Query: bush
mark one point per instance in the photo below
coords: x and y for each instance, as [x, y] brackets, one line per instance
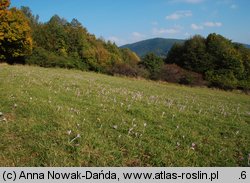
[224, 79]
[43, 58]
[123, 69]
[244, 85]
[175, 74]
[186, 80]
[153, 64]
[143, 73]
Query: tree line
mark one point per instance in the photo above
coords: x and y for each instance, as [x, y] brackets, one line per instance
[213, 61]
[221, 62]
[57, 43]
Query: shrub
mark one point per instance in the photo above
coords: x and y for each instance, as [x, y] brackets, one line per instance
[224, 79]
[43, 58]
[153, 64]
[175, 74]
[123, 69]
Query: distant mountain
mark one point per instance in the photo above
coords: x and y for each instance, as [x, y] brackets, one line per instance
[246, 45]
[159, 46]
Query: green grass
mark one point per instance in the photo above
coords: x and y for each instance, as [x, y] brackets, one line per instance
[121, 121]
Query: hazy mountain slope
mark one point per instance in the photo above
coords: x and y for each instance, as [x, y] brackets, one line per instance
[159, 46]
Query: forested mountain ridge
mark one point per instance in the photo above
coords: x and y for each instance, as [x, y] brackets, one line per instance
[158, 46]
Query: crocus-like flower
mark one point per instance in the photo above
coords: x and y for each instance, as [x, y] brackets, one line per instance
[193, 146]
[130, 130]
[69, 132]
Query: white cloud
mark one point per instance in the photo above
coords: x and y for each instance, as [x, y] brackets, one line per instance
[212, 24]
[138, 35]
[179, 14]
[196, 27]
[188, 1]
[205, 24]
[161, 31]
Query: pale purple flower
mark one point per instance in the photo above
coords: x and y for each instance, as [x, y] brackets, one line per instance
[69, 132]
[130, 130]
[193, 146]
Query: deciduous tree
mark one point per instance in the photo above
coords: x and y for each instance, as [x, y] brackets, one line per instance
[15, 33]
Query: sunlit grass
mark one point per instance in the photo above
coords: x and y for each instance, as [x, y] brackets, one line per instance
[56, 117]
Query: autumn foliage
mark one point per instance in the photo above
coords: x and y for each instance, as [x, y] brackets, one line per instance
[4, 4]
[15, 33]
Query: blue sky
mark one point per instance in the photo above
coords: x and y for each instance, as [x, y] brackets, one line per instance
[127, 21]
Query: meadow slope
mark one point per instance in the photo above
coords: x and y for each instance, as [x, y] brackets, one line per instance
[57, 117]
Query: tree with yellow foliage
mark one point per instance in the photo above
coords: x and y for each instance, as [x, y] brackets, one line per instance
[15, 33]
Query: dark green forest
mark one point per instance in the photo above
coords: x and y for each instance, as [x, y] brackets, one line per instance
[222, 63]
[214, 61]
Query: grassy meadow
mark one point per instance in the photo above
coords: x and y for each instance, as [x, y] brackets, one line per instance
[58, 117]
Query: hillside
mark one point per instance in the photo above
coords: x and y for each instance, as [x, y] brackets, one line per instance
[59, 117]
[159, 46]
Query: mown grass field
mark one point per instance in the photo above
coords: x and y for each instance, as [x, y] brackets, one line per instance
[56, 117]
